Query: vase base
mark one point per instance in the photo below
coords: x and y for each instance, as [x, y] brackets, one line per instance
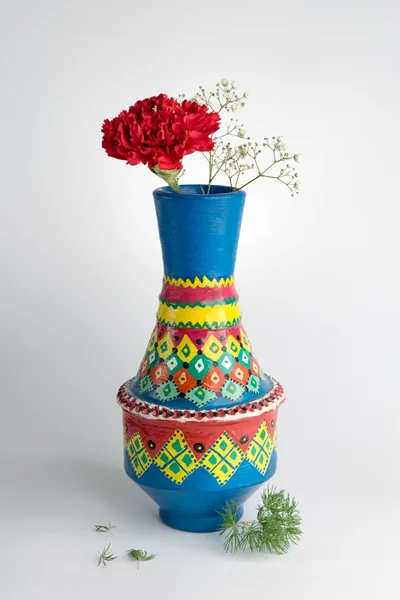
[194, 523]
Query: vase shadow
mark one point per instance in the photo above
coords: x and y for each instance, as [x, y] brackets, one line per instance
[106, 486]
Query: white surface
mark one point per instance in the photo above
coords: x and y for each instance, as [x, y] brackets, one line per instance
[81, 273]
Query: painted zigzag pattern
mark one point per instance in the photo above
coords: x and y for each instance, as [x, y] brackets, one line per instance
[200, 282]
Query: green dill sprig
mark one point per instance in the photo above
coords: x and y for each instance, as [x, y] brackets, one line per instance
[104, 528]
[276, 527]
[105, 556]
[140, 555]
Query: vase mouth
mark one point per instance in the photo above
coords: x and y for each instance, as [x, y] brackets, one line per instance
[196, 190]
[199, 233]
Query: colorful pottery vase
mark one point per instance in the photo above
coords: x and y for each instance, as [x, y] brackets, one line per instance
[200, 415]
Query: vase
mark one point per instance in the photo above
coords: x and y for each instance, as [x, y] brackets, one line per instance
[200, 415]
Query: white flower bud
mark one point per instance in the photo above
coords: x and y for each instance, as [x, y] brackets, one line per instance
[241, 133]
[235, 107]
[224, 82]
[246, 94]
[297, 158]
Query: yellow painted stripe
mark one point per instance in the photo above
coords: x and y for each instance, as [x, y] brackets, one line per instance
[199, 314]
[200, 282]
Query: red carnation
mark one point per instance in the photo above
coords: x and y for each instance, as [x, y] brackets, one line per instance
[159, 132]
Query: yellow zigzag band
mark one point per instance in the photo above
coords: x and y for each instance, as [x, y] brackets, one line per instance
[200, 282]
[199, 314]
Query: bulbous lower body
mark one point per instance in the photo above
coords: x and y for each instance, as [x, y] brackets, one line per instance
[191, 464]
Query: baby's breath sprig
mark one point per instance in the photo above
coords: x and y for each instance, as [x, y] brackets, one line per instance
[280, 156]
[106, 556]
[235, 159]
[276, 527]
[104, 528]
[140, 555]
[224, 97]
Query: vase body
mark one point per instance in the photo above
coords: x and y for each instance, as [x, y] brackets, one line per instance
[200, 414]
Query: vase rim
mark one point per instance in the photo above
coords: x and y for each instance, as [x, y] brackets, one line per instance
[194, 191]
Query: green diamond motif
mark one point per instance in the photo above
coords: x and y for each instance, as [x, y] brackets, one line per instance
[226, 363]
[153, 358]
[245, 358]
[232, 390]
[164, 457]
[167, 391]
[164, 347]
[173, 363]
[186, 351]
[233, 346]
[175, 468]
[187, 460]
[199, 366]
[200, 396]
[145, 384]
[253, 384]
[176, 446]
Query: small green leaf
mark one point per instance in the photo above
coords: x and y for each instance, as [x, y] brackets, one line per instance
[140, 555]
[105, 556]
[104, 528]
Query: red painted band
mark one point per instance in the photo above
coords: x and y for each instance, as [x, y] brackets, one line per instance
[156, 433]
[173, 293]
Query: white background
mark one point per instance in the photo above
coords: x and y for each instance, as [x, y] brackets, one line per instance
[81, 271]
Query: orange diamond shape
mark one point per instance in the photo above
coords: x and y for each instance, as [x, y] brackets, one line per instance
[240, 374]
[254, 368]
[184, 380]
[159, 374]
[214, 380]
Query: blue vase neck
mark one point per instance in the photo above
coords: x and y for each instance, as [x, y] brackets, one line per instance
[199, 233]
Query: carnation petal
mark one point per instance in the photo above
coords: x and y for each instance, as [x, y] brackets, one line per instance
[159, 131]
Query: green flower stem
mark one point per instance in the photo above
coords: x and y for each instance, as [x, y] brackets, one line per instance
[170, 177]
[210, 171]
